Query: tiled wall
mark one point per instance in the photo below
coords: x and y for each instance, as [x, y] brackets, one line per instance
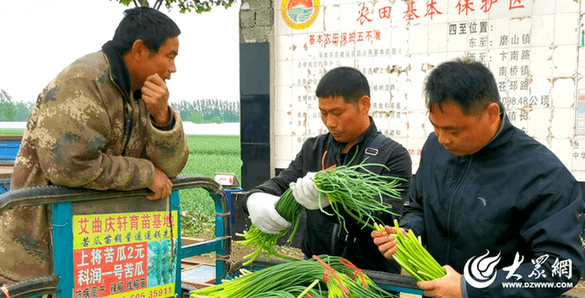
[534, 48]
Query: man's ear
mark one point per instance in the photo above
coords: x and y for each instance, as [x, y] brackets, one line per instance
[139, 50]
[364, 104]
[493, 110]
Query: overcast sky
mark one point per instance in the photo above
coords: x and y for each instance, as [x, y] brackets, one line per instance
[38, 38]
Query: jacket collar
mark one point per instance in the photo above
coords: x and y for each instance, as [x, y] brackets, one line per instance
[504, 134]
[369, 133]
[119, 71]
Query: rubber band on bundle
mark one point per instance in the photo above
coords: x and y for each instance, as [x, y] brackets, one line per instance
[5, 290]
[330, 271]
[357, 271]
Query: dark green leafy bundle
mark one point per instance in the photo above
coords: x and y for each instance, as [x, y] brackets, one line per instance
[359, 193]
[320, 277]
[290, 210]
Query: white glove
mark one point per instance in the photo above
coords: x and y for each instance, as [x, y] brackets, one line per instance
[306, 194]
[263, 213]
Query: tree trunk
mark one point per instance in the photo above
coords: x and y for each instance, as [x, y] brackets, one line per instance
[144, 3]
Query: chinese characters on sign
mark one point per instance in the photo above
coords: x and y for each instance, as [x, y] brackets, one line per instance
[396, 43]
[511, 50]
[125, 253]
[430, 9]
[344, 37]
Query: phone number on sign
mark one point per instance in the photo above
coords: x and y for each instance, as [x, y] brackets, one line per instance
[164, 291]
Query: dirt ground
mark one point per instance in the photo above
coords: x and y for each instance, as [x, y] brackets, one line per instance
[238, 251]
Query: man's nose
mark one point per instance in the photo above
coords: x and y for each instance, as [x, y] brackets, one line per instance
[330, 122]
[442, 136]
[173, 67]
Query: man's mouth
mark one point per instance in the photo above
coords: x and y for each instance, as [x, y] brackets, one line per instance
[455, 151]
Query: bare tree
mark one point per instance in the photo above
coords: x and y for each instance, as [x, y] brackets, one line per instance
[184, 5]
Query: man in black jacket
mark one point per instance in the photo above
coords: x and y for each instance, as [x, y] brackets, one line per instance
[344, 102]
[489, 199]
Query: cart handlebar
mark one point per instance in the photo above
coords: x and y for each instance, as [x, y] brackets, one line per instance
[31, 287]
[43, 195]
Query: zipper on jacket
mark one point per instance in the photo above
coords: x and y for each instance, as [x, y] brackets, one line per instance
[467, 167]
[128, 122]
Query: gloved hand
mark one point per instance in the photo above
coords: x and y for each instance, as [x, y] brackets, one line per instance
[263, 213]
[306, 194]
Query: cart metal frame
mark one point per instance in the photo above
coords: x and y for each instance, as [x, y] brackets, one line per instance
[61, 199]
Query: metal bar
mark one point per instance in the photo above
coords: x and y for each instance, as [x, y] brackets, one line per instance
[175, 206]
[394, 282]
[222, 228]
[44, 195]
[61, 199]
[201, 248]
[35, 287]
[401, 289]
[63, 248]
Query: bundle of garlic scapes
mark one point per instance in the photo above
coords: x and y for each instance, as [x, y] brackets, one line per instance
[320, 277]
[414, 258]
[356, 190]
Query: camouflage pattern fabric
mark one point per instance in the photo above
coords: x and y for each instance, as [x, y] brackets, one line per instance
[75, 137]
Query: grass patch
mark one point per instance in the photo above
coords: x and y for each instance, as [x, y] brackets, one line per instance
[11, 131]
[222, 145]
[207, 155]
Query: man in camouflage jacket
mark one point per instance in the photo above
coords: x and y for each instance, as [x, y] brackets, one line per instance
[103, 123]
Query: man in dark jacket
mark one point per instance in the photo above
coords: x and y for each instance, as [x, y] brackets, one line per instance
[344, 102]
[484, 189]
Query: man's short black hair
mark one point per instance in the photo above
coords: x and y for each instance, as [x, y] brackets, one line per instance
[469, 84]
[148, 24]
[343, 81]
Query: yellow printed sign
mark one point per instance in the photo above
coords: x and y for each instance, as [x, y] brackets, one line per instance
[122, 228]
[125, 254]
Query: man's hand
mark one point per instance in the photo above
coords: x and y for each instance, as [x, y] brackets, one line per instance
[446, 286]
[263, 213]
[306, 194]
[161, 186]
[155, 95]
[385, 242]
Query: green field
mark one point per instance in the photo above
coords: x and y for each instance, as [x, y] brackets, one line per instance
[207, 155]
[11, 131]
